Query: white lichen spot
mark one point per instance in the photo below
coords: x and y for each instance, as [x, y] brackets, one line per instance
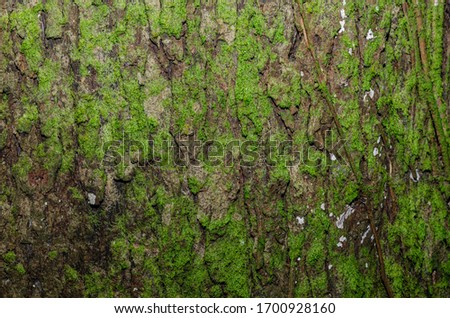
[375, 151]
[45, 203]
[379, 139]
[436, 3]
[369, 35]
[343, 15]
[300, 220]
[365, 234]
[322, 206]
[340, 221]
[344, 2]
[91, 198]
[417, 178]
[298, 259]
[342, 23]
[302, 74]
[350, 51]
[367, 265]
[370, 93]
[342, 239]
[330, 266]
[332, 157]
[330, 215]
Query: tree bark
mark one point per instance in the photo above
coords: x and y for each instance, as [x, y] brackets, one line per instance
[224, 148]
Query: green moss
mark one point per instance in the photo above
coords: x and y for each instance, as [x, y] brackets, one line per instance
[89, 141]
[10, 257]
[165, 238]
[352, 277]
[97, 285]
[70, 273]
[278, 32]
[50, 152]
[351, 192]
[316, 254]
[56, 19]
[20, 269]
[84, 3]
[172, 16]
[3, 139]
[253, 108]
[194, 185]
[22, 167]
[280, 173]
[194, 284]
[318, 284]
[227, 261]
[26, 21]
[120, 251]
[47, 76]
[296, 242]
[3, 108]
[52, 255]
[226, 10]
[28, 119]
[396, 276]
[140, 187]
[6, 42]
[120, 4]
[312, 7]
[135, 15]
[76, 194]
[286, 92]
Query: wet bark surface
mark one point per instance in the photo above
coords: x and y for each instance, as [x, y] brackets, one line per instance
[146, 148]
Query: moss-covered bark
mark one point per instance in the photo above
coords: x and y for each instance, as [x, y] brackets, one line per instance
[87, 208]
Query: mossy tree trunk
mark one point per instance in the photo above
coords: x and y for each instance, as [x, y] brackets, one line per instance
[89, 208]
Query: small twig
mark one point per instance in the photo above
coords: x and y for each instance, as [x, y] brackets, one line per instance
[435, 105]
[326, 95]
[373, 228]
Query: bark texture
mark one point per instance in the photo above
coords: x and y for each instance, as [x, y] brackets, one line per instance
[88, 209]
